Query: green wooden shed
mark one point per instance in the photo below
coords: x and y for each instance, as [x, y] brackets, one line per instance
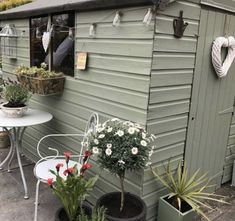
[139, 72]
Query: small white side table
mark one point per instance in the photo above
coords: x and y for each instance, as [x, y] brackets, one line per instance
[15, 128]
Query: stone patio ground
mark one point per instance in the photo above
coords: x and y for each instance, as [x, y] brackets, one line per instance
[15, 208]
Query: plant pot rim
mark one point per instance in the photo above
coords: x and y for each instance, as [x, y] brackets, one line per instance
[3, 105]
[183, 214]
[143, 212]
[38, 78]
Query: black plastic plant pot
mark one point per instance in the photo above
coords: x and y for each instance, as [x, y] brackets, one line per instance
[134, 207]
[167, 212]
[62, 216]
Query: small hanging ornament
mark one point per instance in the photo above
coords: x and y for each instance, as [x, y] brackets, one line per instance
[71, 33]
[148, 17]
[38, 33]
[92, 30]
[46, 39]
[117, 19]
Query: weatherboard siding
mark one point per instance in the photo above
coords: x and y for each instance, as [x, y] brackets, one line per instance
[170, 92]
[115, 84]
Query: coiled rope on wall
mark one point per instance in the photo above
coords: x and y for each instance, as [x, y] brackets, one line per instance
[220, 67]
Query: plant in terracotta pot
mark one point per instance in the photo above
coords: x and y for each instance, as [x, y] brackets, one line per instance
[121, 146]
[39, 80]
[16, 98]
[187, 195]
[73, 190]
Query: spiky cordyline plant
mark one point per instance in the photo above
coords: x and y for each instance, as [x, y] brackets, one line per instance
[191, 190]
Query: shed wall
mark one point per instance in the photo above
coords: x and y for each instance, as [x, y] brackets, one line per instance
[115, 84]
[170, 92]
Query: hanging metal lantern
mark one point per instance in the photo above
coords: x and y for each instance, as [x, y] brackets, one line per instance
[8, 37]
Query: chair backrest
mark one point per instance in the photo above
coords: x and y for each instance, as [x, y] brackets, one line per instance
[90, 129]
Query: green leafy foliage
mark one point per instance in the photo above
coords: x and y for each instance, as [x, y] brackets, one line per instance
[73, 190]
[36, 72]
[120, 146]
[8, 4]
[97, 215]
[15, 94]
[190, 189]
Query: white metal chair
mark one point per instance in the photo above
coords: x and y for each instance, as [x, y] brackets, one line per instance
[42, 167]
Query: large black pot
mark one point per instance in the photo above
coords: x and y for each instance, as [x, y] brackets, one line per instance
[62, 216]
[134, 207]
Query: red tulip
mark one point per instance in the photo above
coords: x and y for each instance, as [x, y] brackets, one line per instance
[58, 166]
[88, 153]
[67, 156]
[71, 171]
[86, 166]
[50, 181]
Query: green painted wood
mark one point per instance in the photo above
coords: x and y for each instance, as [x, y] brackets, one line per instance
[208, 130]
[171, 77]
[227, 5]
[163, 94]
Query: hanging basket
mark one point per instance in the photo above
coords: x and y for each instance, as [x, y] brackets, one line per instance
[41, 86]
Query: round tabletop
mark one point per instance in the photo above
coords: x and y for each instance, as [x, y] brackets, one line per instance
[32, 117]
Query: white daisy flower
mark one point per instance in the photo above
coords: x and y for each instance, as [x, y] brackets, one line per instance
[121, 162]
[143, 143]
[101, 135]
[134, 150]
[96, 141]
[120, 133]
[109, 129]
[150, 153]
[108, 152]
[115, 119]
[131, 130]
[148, 164]
[95, 150]
[143, 135]
[109, 145]
[153, 147]
[100, 129]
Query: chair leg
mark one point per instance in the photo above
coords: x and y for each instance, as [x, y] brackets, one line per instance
[36, 201]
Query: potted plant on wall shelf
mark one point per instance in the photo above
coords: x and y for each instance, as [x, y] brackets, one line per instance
[186, 195]
[122, 146]
[72, 191]
[40, 80]
[16, 98]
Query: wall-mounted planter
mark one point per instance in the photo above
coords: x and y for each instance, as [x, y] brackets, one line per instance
[167, 212]
[42, 86]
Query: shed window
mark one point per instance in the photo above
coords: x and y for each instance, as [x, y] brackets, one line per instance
[61, 50]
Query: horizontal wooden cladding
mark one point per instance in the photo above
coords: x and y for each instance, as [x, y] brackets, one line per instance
[164, 60]
[191, 10]
[161, 78]
[129, 14]
[120, 63]
[123, 96]
[168, 109]
[17, 23]
[164, 94]
[164, 25]
[133, 48]
[115, 78]
[157, 126]
[171, 44]
[127, 30]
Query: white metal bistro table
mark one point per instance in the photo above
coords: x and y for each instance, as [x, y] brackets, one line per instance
[16, 128]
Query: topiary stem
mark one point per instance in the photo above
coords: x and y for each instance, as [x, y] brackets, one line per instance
[121, 176]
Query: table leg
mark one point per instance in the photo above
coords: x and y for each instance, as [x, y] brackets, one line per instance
[17, 139]
[11, 151]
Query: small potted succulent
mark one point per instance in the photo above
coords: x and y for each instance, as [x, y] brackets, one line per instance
[187, 195]
[16, 98]
[40, 80]
[121, 146]
[73, 190]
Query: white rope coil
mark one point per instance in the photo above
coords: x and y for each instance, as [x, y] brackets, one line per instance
[220, 67]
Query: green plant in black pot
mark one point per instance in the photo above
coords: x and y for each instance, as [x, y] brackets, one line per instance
[187, 194]
[122, 146]
[16, 98]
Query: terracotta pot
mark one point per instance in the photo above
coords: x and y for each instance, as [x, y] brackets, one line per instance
[134, 207]
[62, 216]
